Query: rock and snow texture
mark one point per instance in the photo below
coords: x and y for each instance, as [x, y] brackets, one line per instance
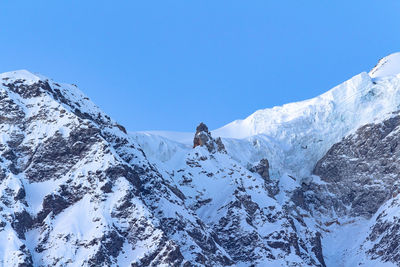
[76, 190]
[359, 190]
[237, 203]
[387, 66]
[313, 183]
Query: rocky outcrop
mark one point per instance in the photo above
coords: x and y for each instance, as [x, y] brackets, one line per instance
[203, 137]
[262, 168]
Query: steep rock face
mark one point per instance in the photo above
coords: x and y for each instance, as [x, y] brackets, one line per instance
[382, 241]
[203, 137]
[262, 168]
[357, 193]
[362, 170]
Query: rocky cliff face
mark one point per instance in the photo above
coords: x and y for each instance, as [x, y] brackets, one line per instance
[360, 183]
[318, 189]
[362, 170]
[202, 137]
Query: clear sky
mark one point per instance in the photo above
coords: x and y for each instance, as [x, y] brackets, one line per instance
[167, 65]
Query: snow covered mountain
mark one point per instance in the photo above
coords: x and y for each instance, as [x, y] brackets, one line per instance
[313, 183]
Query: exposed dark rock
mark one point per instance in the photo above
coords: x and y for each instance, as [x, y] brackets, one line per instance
[22, 222]
[20, 194]
[107, 187]
[26, 91]
[26, 257]
[317, 249]
[385, 236]
[132, 175]
[110, 245]
[122, 128]
[203, 137]
[366, 181]
[176, 191]
[65, 152]
[262, 168]
[220, 145]
[52, 203]
[299, 199]
[172, 257]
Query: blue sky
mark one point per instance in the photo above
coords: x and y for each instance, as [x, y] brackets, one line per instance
[167, 65]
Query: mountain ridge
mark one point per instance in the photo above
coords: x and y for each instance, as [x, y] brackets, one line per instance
[77, 189]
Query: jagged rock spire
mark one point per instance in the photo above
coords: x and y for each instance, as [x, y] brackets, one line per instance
[203, 138]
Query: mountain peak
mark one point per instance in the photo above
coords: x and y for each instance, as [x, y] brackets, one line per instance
[387, 66]
[203, 138]
[24, 75]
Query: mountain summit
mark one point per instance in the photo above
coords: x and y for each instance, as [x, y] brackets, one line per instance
[387, 66]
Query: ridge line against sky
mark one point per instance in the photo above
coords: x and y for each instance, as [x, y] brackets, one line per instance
[167, 65]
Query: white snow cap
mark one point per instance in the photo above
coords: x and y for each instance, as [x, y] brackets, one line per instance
[26, 75]
[387, 66]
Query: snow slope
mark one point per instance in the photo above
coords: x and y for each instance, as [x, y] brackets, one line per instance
[307, 129]
[387, 66]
